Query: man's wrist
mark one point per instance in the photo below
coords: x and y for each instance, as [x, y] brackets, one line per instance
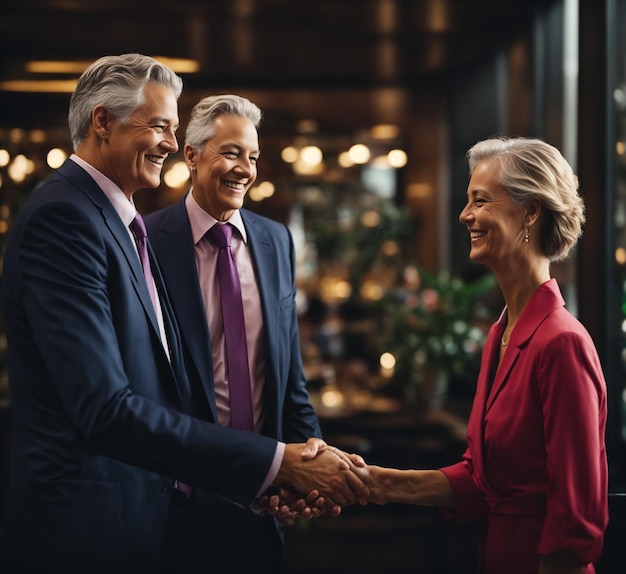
[277, 462]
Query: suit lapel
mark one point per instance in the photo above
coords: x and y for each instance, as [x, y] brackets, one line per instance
[173, 334]
[174, 243]
[265, 261]
[112, 221]
[118, 230]
[265, 265]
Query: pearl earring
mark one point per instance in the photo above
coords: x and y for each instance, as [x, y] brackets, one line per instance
[526, 236]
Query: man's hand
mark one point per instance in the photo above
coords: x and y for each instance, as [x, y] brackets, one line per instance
[318, 467]
[286, 505]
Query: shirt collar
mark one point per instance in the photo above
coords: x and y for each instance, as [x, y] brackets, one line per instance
[201, 221]
[125, 209]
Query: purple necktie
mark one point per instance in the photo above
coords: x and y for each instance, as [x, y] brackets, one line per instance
[234, 329]
[138, 228]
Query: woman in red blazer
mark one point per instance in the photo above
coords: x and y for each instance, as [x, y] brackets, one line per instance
[535, 466]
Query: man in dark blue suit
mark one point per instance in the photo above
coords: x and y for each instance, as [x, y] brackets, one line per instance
[221, 151]
[104, 443]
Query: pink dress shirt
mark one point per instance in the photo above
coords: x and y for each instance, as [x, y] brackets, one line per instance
[206, 264]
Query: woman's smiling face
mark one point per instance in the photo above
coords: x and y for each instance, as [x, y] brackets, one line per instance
[495, 223]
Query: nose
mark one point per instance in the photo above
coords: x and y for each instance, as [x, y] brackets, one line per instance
[245, 167]
[170, 143]
[466, 215]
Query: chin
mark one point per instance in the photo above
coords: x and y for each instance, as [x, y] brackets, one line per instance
[235, 205]
[149, 183]
[475, 257]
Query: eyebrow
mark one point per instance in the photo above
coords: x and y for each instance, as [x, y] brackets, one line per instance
[161, 119]
[237, 146]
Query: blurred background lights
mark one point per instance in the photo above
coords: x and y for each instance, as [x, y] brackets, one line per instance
[309, 161]
[335, 289]
[176, 175]
[307, 126]
[55, 158]
[38, 136]
[370, 218]
[311, 155]
[345, 160]
[20, 167]
[387, 361]
[385, 132]
[372, 291]
[390, 248]
[5, 157]
[332, 398]
[397, 158]
[289, 154]
[359, 153]
[262, 191]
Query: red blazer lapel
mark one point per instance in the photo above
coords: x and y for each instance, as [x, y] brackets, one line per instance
[546, 299]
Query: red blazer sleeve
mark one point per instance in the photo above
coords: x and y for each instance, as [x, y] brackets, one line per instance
[572, 388]
[469, 499]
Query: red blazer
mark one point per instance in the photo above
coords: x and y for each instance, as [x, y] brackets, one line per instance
[535, 464]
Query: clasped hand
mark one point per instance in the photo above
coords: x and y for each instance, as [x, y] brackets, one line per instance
[316, 479]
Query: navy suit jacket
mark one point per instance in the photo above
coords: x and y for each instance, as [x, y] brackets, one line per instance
[289, 414]
[98, 431]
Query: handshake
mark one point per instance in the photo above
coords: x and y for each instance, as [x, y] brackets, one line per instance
[315, 478]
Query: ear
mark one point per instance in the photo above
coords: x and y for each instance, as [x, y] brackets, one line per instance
[101, 120]
[533, 211]
[190, 158]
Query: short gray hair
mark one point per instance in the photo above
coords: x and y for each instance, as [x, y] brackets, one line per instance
[201, 126]
[531, 169]
[117, 83]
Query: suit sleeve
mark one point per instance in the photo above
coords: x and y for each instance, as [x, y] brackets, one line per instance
[573, 396]
[88, 336]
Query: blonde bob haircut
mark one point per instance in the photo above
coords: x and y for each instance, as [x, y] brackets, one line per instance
[530, 169]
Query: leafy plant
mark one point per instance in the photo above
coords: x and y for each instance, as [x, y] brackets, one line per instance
[435, 325]
[354, 236]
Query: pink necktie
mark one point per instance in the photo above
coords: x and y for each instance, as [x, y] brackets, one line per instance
[138, 228]
[234, 329]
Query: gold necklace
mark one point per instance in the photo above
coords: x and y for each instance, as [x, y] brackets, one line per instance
[502, 342]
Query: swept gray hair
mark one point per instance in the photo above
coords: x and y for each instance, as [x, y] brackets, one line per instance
[117, 83]
[201, 126]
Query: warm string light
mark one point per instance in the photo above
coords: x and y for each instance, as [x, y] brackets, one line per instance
[309, 159]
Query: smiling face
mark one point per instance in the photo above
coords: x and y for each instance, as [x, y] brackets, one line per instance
[495, 223]
[224, 170]
[135, 151]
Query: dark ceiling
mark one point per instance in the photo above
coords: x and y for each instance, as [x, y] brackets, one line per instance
[266, 45]
[266, 42]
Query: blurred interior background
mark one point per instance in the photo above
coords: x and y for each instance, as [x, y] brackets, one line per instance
[369, 107]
